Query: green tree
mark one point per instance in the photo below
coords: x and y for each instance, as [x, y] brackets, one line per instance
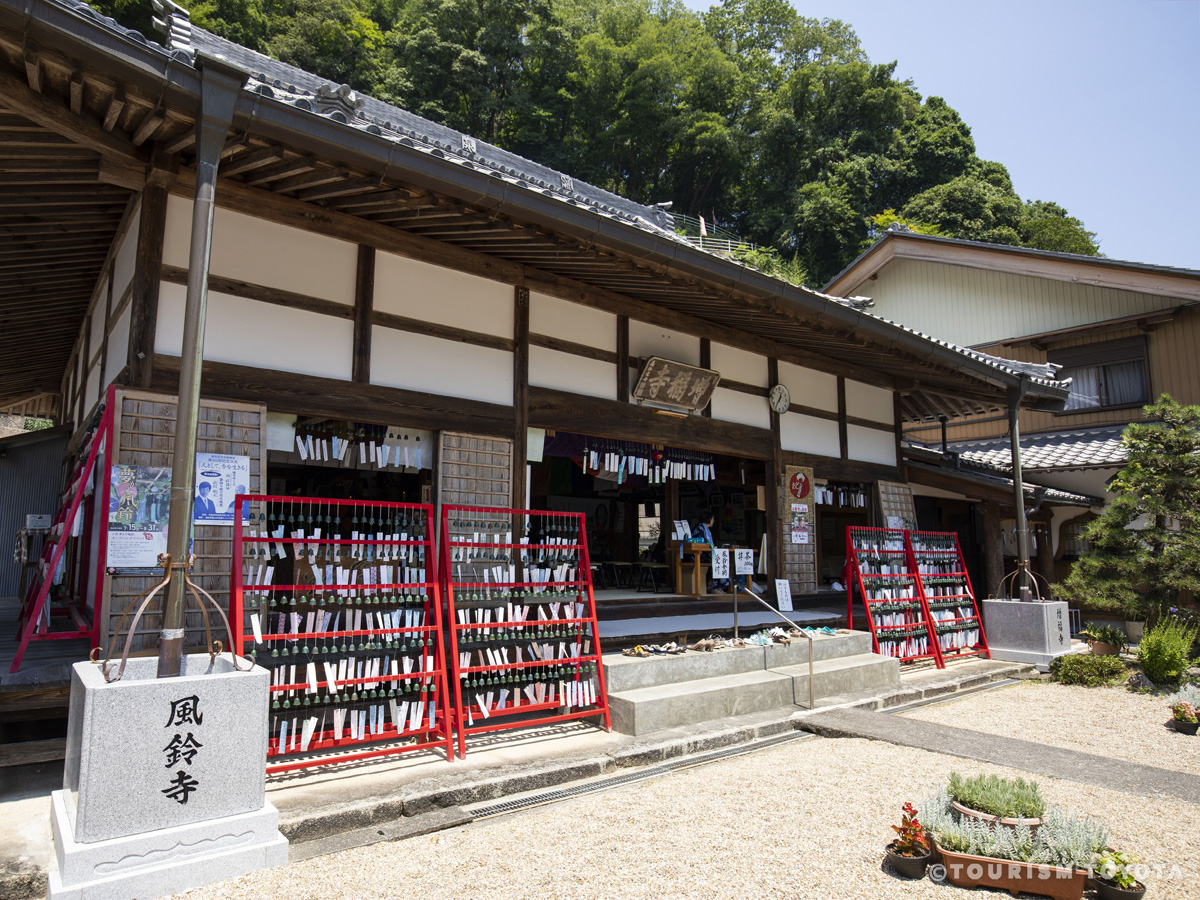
[1047, 226]
[335, 39]
[969, 207]
[1145, 548]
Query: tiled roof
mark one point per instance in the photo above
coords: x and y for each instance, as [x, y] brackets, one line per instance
[986, 473]
[1059, 450]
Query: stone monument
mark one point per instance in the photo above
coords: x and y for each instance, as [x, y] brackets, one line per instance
[1028, 631]
[164, 787]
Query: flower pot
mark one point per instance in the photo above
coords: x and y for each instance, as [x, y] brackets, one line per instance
[1185, 727]
[1099, 648]
[1106, 890]
[1133, 630]
[908, 866]
[968, 871]
[969, 813]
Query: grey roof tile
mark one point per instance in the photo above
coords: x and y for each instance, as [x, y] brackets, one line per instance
[1061, 450]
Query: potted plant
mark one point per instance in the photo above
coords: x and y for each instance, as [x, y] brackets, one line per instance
[1185, 716]
[910, 852]
[994, 800]
[1104, 639]
[1054, 861]
[1115, 879]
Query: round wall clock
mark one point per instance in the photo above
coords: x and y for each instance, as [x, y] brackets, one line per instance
[780, 399]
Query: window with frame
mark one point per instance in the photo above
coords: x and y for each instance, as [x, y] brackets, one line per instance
[1106, 374]
[1071, 542]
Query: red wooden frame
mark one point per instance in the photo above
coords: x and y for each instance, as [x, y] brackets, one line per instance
[470, 717]
[432, 658]
[898, 556]
[29, 625]
[954, 556]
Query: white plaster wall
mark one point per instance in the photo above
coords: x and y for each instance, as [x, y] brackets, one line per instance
[267, 253]
[572, 322]
[865, 401]
[417, 290]
[126, 258]
[96, 331]
[263, 335]
[91, 389]
[414, 361]
[871, 445]
[809, 387]
[651, 340]
[567, 372]
[739, 365]
[734, 406]
[118, 346]
[281, 431]
[808, 434]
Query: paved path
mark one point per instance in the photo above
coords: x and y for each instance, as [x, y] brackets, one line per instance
[1129, 778]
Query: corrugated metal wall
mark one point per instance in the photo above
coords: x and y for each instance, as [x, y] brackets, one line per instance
[1173, 358]
[975, 307]
[30, 474]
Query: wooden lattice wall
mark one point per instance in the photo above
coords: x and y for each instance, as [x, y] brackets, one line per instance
[475, 471]
[145, 434]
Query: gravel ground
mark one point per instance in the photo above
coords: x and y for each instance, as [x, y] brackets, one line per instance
[806, 819]
[1107, 721]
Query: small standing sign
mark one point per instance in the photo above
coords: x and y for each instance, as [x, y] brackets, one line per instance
[743, 562]
[720, 565]
[783, 593]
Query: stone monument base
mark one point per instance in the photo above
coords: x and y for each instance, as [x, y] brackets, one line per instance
[162, 862]
[1027, 632]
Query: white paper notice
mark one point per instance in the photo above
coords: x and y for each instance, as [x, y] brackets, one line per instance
[743, 562]
[720, 565]
[783, 593]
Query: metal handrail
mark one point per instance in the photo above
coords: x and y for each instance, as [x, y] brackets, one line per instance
[767, 606]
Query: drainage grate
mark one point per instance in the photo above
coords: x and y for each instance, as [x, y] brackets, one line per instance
[556, 795]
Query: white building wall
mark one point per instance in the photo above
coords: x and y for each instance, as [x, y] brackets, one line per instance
[871, 445]
[262, 335]
[266, 253]
[808, 434]
[809, 387]
[735, 406]
[125, 260]
[865, 401]
[567, 372]
[572, 322]
[651, 340]
[418, 290]
[739, 365]
[416, 362]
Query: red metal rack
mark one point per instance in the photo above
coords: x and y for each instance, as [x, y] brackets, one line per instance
[524, 644]
[352, 632]
[941, 572]
[880, 562]
[38, 608]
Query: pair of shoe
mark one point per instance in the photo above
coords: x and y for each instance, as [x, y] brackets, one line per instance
[705, 645]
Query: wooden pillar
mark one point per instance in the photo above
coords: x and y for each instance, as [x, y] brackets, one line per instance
[774, 488]
[108, 310]
[147, 272]
[623, 358]
[1043, 534]
[364, 308]
[843, 438]
[993, 546]
[706, 363]
[520, 455]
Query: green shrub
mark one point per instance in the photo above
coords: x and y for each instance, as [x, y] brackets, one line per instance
[1088, 670]
[1004, 797]
[1166, 650]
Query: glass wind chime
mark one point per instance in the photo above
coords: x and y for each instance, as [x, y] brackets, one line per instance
[657, 465]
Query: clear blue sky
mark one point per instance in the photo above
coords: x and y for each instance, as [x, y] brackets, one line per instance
[1094, 104]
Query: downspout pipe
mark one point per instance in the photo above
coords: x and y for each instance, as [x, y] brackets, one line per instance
[1015, 396]
[220, 87]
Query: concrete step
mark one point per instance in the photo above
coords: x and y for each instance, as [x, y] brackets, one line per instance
[843, 675]
[627, 673]
[656, 707]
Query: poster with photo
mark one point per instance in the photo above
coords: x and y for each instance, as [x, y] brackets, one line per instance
[219, 478]
[138, 509]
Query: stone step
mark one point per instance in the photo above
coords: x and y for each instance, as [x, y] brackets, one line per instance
[864, 671]
[647, 709]
[627, 673]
